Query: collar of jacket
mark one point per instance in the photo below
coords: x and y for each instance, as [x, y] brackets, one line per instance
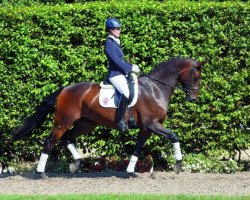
[115, 39]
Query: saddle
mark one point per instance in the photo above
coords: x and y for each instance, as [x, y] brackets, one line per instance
[109, 97]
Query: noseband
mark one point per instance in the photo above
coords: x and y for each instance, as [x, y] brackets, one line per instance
[186, 89]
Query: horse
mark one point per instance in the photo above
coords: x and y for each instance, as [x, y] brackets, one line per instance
[77, 106]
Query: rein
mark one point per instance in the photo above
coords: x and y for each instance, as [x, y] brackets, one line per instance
[185, 89]
[155, 79]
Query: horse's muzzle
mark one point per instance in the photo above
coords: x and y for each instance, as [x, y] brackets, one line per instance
[193, 100]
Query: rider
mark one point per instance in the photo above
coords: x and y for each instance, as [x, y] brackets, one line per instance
[118, 69]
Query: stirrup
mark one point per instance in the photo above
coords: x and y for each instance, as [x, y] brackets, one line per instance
[132, 122]
[122, 126]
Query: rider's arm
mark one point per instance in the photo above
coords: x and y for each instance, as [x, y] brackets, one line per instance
[112, 54]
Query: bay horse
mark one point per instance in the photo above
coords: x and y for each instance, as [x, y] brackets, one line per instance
[77, 106]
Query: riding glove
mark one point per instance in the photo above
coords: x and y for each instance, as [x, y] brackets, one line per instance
[135, 69]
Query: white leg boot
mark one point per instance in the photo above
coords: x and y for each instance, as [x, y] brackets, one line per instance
[42, 163]
[72, 148]
[177, 151]
[178, 157]
[132, 163]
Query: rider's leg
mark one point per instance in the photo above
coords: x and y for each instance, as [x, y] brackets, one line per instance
[121, 110]
[120, 83]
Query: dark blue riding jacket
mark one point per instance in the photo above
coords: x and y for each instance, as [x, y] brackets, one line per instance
[117, 64]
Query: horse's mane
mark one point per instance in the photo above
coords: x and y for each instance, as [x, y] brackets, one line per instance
[170, 66]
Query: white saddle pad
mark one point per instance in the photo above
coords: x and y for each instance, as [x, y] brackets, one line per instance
[109, 97]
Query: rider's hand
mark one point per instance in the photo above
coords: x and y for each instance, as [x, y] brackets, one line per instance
[135, 69]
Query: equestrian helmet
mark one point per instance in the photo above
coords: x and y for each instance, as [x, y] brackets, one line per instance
[113, 23]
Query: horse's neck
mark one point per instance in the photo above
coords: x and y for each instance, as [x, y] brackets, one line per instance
[165, 78]
[167, 86]
[160, 89]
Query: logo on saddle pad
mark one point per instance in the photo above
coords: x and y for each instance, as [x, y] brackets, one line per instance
[109, 96]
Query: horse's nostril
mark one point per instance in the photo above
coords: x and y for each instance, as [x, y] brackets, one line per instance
[191, 99]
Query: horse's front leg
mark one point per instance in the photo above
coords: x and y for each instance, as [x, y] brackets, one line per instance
[159, 129]
[142, 138]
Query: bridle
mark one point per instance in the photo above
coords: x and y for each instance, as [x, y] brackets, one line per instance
[186, 89]
[189, 88]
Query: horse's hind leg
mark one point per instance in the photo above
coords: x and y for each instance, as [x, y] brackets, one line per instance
[62, 122]
[83, 126]
[56, 134]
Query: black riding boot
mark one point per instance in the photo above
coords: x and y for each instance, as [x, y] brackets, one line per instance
[121, 110]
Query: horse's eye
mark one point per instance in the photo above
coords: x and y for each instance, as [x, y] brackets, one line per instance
[196, 77]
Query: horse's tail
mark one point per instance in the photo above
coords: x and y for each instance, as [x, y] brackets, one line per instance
[35, 121]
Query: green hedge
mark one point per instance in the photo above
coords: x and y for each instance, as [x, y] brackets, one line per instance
[53, 2]
[44, 47]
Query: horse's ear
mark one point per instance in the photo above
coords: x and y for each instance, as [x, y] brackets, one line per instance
[202, 63]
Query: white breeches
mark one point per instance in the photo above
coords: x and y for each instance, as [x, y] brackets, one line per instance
[120, 83]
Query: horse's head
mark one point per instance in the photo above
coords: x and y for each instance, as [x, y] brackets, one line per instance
[190, 78]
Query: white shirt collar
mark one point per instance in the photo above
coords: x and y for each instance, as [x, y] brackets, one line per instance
[115, 39]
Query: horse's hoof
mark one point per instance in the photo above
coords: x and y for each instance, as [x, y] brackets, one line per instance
[132, 175]
[177, 167]
[152, 175]
[73, 167]
[41, 176]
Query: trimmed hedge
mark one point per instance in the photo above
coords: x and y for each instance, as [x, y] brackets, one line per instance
[44, 47]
